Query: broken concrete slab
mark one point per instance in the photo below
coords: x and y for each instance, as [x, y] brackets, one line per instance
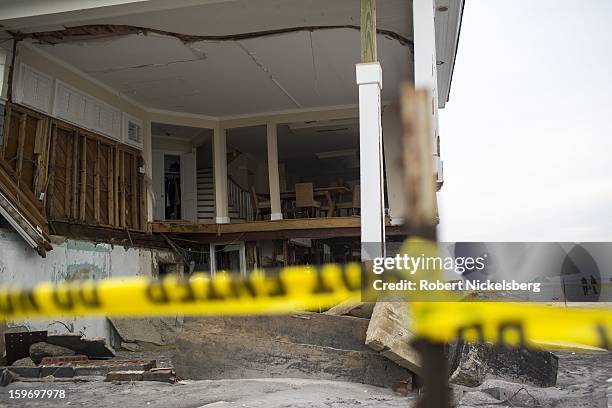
[44, 349]
[527, 366]
[157, 331]
[352, 308]
[202, 355]
[26, 372]
[389, 333]
[24, 362]
[91, 347]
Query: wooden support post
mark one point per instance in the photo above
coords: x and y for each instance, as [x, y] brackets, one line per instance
[117, 187]
[111, 187]
[421, 223]
[97, 184]
[41, 150]
[368, 31]
[50, 189]
[273, 174]
[83, 195]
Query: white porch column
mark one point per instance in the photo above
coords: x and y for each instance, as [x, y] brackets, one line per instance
[369, 79]
[425, 61]
[220, 173]
[273, 175]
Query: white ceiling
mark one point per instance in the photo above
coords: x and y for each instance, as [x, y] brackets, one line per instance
[282, 72]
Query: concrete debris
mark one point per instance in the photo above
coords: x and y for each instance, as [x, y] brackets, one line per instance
[352, 308]
[7, 377]
[24, 362]
[95, 348]
[157, 331]
[130, 346]
[41, 349]
[167, 375]
[389, 333]
[526, 366]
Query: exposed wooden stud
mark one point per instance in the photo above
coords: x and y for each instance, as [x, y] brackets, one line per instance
[117, 186]
[20, 146]
[143, 202]
[122, 197]
[50, 188]
[134, 190]
[41, 151]
[8, 112]
[97, 184]
[368, 31]
[70, 190]
[111, 187]
[83, 194]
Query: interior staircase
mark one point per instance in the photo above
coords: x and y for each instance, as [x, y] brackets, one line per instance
[239, 203]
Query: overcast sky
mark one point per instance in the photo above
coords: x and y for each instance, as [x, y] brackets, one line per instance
[526, 137]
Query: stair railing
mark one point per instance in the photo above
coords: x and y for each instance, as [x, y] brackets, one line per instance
[239, 200]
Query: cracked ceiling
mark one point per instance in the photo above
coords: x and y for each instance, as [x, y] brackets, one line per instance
[273, 56]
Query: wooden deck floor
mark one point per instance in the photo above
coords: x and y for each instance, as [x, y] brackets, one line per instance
[316, 228]
[182, 227]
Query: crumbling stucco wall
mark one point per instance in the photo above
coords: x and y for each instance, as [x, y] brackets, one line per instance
[72, 260]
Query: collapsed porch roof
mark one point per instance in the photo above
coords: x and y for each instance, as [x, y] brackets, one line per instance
[228, 58]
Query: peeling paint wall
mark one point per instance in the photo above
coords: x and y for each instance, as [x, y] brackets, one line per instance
[72, 260]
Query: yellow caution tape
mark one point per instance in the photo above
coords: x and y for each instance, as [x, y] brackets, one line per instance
[309, 288]
[296, 288]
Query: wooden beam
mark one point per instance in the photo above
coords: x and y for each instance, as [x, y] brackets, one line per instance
[83, 195]
[368, 31]
[7, 124]
[75, 175]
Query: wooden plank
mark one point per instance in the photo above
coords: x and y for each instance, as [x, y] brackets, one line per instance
[111, 187]
[83, 195]
[97, 184]
[368, 31]
[50, 189]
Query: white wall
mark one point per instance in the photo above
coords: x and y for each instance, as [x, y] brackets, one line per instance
[70, 260]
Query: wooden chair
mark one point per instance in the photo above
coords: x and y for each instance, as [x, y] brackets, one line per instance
[354, 206]
[259, 206]
[304, 200]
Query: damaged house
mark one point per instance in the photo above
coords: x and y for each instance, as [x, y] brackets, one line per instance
[154, 137]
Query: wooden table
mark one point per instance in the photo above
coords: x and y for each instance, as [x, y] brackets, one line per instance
[318, 192]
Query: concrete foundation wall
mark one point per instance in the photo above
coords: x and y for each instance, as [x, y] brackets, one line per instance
[72, 260]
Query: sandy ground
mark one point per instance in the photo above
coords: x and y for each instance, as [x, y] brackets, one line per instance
[581, 383]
